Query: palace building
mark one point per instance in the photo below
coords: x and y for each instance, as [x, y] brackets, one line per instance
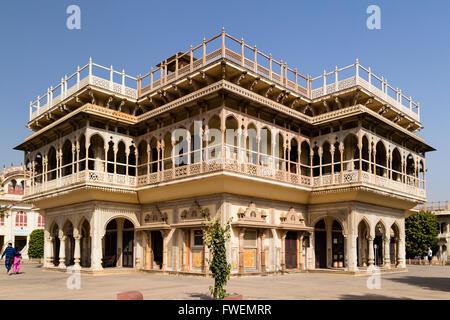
[316, 172]
[18, 219]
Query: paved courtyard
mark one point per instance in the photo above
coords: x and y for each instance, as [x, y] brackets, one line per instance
[420, 282]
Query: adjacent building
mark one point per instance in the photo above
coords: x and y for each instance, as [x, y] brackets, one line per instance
[19, 220]
[315, 172]
[441, 209]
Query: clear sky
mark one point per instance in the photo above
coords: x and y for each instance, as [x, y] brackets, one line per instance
[411, 50]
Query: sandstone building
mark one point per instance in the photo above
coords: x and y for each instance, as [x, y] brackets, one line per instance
[316, 172]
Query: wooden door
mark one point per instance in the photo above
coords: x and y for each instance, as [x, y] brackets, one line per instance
[128, 249]
[291, 250]
[320, 248]
[157, 248]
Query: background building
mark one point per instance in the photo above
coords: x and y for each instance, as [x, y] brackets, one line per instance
[441, 209]
[20, 220]
[316, 172]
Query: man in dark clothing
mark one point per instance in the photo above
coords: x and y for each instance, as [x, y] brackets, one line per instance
[9, 254]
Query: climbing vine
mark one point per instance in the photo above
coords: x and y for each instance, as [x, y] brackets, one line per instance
[215, 237]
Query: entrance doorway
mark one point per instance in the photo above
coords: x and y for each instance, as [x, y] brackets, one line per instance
[291, 250]
[378, 250]
[127, 244]
[337, 239]
[119, 234]
[157, 249]
[20, 242]
[320, 244]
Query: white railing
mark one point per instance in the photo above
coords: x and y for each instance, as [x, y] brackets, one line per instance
[436, 206]
[355, 74]
[90, 74]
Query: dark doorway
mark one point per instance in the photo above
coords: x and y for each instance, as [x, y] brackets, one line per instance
[337, 239]
[157, 248]
[110, 253]
[320, 244]
[291, 250]
[2, 241]
[393, 251]
[20, 242]
[56, 246]
[378, 250]
[128, 245]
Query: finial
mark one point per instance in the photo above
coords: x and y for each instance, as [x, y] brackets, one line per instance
[90, 59]
[357, 61]
[223, 29]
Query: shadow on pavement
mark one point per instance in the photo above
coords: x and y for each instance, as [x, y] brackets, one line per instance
[201, 296]
[432, 283]
[369, 297]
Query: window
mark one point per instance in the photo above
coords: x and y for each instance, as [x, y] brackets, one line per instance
[41, 222]
[2, 220]
[21, 219]
[198, 238]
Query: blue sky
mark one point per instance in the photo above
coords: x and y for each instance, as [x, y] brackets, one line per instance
[411, 50]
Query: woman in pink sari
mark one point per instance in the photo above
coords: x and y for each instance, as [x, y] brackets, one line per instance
[16, 263]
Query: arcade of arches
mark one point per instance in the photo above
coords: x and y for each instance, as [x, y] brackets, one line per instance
[266, 236]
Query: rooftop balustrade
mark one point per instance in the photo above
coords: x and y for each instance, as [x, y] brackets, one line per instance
[237, 51]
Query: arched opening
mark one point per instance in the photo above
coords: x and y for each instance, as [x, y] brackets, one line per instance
[252, 144]
[326, 158]
[85, 244]
[320, 244]
[316, 162]
[196, 142]
[393, 249]
[292, 166]
[351, 153]
[410, 170]
[231, 138]
[291, 250]
[396, 165]
[167, 152]
[51, 166]
[214, 140]
[110, 157]
[337, 240]
[421, 174]
[96, 154]
[154, 155]
[181, 149]
[381, 160]
[119, 234]
[142, 158]
[54, 232]
[362, 243]
[131, 166]
[69, 243]
[121, 159]
[305, 159]
[67, 158]
[82, 154]
[380, 232]
[265, 147]
[337, 158]
[365, 154]
[38, 168]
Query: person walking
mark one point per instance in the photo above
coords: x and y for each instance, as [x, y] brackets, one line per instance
[9, 254]
[16, 263]
[430, 255]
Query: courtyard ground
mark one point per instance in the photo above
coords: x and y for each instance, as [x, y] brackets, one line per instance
[420, 282]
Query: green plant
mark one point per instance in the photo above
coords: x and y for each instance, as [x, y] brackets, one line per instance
[215, 237]
[36, 244]
[421, 231]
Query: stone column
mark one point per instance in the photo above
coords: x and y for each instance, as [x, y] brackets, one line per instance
[241, 250]
[401, 253]
[351, 252]
[164, 233]
[387, 256]
[96, 252]
[77, 253]
[62, 251]
[371, 252]
[300, 252]
[283, 250]
[258, 250]
[263, 252]
[48, 255]
[184, 266]
[119, 242]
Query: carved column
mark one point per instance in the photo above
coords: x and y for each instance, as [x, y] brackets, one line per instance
[371, 252]
[387, 256]
[351, 252]
[332, 163]
[263, 252]
[96, 252]
[300, 251]
[241, 250]
[77, 252]
[401, 253]
[341, 152]
[62, 251]
[164, 233]
[283, 250]
[374, 165]
[49, 253]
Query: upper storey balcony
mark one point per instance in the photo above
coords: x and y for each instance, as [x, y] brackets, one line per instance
[260, 72]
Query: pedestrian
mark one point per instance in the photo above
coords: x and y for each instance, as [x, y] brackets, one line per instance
[16, 263]
[430, 255]
[9, 254]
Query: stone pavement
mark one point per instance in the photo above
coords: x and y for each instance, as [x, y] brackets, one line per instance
[420, 282]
